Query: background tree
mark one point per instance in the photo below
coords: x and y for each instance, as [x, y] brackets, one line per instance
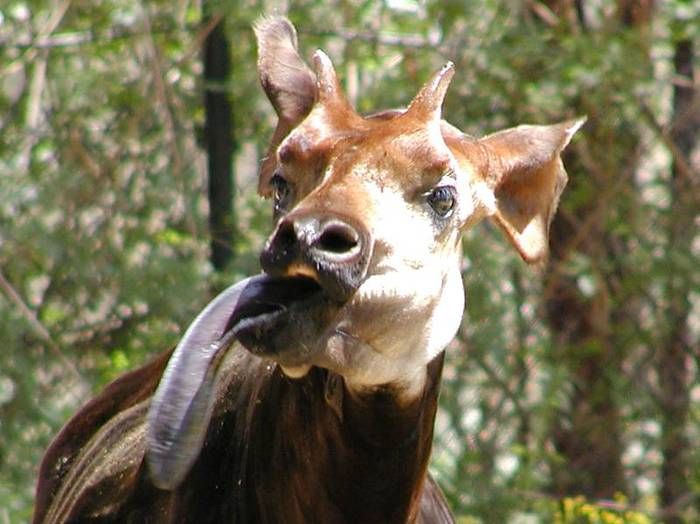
[676, 348]
[579, 378]
[590, 312]
[218, 138]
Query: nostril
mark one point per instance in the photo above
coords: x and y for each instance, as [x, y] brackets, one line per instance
[286, 237]
[337, 238]
[280, 250]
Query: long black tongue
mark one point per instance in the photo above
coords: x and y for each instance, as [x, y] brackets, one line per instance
[182, 405]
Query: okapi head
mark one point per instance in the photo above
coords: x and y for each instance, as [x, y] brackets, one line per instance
[360, 294]
[370, 212]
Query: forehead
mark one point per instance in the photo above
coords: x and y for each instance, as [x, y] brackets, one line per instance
[392, 144]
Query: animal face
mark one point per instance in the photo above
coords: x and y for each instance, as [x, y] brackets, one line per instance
[369, 213]
[371, 210]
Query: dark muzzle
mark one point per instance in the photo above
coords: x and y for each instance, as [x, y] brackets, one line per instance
[333, 250]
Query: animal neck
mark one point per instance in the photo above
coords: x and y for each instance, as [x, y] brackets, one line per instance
[359, 458]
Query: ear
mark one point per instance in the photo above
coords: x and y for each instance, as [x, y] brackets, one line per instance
[526, 175]
[288, 83]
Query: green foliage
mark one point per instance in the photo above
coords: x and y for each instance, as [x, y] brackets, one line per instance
[578, 511]
[103, 220]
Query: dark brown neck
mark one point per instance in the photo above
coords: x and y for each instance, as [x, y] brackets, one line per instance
[387, 444]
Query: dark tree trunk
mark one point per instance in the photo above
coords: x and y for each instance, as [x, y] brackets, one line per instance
[589, 437]
[219, 140]
[674, 354]
[587, 434]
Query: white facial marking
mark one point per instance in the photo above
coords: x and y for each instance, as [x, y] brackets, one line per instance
[411, 303]
[484, 197]
[414, 326]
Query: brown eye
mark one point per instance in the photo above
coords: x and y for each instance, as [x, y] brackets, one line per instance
[281, 192]
[442, 201]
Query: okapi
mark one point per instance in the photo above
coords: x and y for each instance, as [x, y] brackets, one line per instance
[308, 393]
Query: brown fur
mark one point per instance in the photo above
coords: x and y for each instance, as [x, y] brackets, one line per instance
[250, 470]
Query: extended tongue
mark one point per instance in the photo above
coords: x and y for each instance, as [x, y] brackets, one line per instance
[182, 405]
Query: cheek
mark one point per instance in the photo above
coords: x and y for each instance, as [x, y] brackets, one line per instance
[410, 311]
[402, 233]
[392, 305]
[446, 317]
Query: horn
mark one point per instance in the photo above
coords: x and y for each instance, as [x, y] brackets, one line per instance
[427, 105]
[329, 90]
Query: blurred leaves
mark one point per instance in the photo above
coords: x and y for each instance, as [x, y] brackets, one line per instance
[103, 215]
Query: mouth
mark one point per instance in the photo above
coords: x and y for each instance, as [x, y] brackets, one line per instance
[281, 317]
[266, 298]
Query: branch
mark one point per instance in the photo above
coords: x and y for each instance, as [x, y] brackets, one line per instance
[388, 39]
[36, 324]
[103, 332]
[202, 34]
[682, 163]
[78, 38]
[500, 384]
[544, 13]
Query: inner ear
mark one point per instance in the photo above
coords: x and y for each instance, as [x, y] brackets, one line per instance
[287, 81]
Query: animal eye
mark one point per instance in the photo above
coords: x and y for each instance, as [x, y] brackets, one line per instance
[442, 200]
[281, 192]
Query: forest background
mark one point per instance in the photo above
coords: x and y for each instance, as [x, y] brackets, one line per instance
[571, 393]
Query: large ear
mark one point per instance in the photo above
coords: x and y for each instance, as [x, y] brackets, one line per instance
[527, 176]
[288, 83]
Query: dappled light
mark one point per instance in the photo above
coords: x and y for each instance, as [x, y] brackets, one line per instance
[570, 392]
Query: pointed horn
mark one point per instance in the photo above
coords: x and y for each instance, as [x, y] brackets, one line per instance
[329, 90]
[428, 102]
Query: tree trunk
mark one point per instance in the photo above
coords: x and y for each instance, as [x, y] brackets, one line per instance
[219, 140]
[674, 355]
[587, 434]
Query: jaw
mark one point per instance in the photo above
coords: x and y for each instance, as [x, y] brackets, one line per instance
[386, 333]
[389, 332]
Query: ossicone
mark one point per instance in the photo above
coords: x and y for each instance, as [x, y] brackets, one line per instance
[427, 104]
[327, 84]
